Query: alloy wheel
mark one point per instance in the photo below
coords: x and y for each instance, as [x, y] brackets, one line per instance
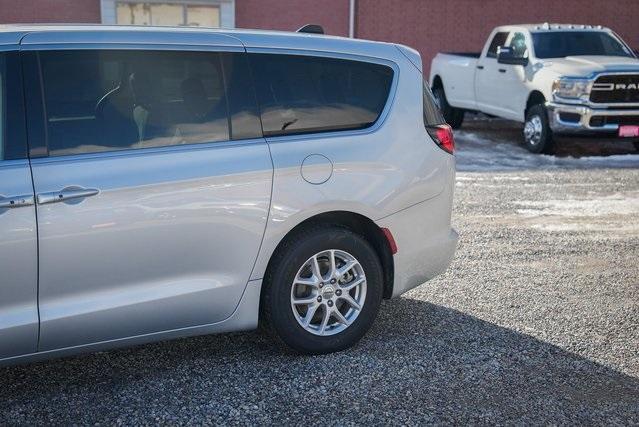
[328, 292]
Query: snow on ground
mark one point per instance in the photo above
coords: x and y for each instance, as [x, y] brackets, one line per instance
[491, 157]
[614, 214]
[477, 153]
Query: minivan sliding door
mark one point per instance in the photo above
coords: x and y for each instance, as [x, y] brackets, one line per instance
[153, 193]
[18, 236]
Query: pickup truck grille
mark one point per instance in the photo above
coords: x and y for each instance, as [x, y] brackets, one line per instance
[616, 88]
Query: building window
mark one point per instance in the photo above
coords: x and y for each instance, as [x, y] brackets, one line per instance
[151, 13]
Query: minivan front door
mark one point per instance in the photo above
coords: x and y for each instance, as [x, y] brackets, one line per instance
[18, 234]
[153, 199]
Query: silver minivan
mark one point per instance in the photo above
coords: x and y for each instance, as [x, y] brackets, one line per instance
[159, 183]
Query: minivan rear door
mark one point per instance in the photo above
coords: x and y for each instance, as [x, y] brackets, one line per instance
[18, 234]
[153, 187]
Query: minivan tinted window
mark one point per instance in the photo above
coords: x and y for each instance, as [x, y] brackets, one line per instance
[12, 126]
[302, 94]
[105, 100]
[432, 113]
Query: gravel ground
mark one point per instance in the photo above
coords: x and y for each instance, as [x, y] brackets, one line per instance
[535, 322]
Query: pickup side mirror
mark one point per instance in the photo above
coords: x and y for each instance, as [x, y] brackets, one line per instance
[506, 55]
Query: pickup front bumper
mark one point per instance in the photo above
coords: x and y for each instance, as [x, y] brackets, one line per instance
[578, 119]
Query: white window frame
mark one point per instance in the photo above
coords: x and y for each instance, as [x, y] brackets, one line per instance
[227, 9]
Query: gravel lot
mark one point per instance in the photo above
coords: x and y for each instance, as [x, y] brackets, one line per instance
[536, 322]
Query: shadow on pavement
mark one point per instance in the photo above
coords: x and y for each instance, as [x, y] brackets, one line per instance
[420, 363]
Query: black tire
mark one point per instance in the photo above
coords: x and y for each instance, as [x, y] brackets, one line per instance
[538, 137]
[277, 316]
[453, 116]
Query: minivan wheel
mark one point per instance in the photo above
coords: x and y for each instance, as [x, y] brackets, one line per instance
[538, 136]
[323, 290]
[453, 116]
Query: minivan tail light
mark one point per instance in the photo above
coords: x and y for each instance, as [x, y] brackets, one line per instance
[443, 137]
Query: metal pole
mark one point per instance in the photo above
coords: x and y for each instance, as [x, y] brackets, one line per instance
[351, 19]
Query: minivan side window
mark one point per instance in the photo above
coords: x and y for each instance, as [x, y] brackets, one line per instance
[13, 142]
[107, 100]
[302, 94]
[499, 40]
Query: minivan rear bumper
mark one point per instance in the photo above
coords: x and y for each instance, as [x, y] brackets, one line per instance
[426, 242]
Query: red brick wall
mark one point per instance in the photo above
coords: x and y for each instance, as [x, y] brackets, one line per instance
[33, 11]
[292, 14]
[463, 25]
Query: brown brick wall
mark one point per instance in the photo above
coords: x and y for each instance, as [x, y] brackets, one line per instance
[463, 25]
[33, 11]
[292, 14]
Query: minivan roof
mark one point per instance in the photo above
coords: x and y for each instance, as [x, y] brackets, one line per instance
[43, 34]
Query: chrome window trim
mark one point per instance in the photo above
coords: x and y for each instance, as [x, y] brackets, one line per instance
[13, 163]
[327, 54]
[135, 152]
[132, 46]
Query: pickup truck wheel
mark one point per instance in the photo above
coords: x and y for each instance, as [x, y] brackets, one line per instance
[537, 133]
[453, 116]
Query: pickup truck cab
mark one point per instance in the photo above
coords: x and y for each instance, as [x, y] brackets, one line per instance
[569, 79]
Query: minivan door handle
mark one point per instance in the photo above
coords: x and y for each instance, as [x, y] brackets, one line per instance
[16, 201]
[68, 193]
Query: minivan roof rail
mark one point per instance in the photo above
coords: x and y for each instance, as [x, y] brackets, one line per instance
[311, 29]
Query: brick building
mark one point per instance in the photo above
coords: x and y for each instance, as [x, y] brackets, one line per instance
[428, 25]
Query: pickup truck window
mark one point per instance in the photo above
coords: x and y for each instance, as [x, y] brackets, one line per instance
[559, 44]
[518, 45]
[499, 40]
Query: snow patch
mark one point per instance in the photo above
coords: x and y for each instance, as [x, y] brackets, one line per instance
[617, 204]
[476, 153]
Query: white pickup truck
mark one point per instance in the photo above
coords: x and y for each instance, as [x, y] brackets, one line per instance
[569, 79]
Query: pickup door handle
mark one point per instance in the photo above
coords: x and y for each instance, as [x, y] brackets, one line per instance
[69, 193]
[502, 70]
[480, 67]
[16, 201]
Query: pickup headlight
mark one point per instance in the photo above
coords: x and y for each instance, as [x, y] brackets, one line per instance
[571, 88]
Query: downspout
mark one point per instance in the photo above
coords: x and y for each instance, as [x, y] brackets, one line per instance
[351, 19]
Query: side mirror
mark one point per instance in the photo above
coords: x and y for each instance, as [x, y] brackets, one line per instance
[505, 55]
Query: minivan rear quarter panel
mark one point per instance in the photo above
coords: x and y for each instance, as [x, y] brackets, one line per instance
[377, 171]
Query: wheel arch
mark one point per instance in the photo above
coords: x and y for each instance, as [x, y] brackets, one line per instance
[437, 81]
[534, 98]
[356, 223]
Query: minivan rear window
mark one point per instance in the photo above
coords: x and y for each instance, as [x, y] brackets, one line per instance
[303, 94]
[432, 113]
